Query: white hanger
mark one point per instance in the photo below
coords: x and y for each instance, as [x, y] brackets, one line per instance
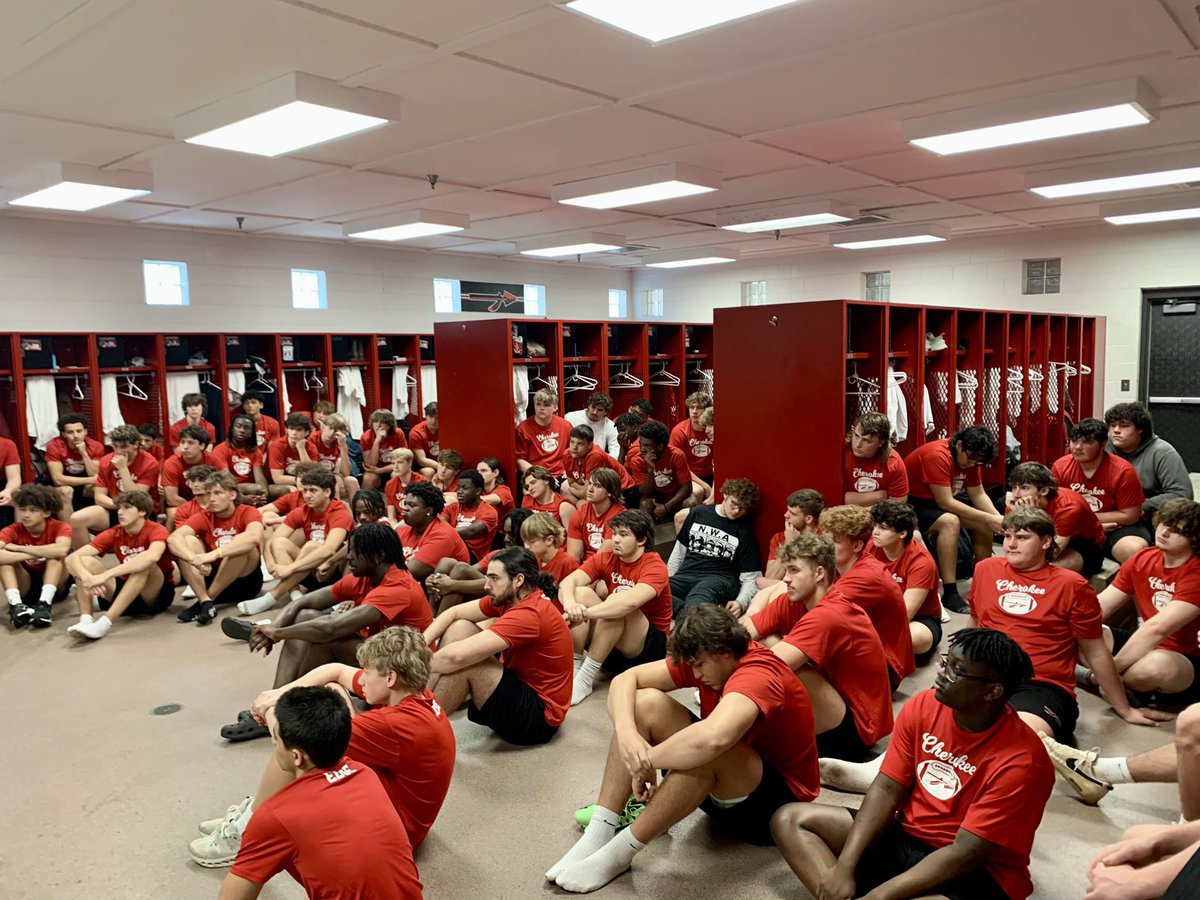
[625, 378]
[207, 380]
[897, 377]
[967, 380]
[77, 391]
[130, 389]
[663, 378]
[578, 382]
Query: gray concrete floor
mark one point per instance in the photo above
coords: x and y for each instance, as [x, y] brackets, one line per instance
[102, 797]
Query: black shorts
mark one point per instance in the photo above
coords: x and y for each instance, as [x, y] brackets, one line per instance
[694, 590]
[1189, 695]
[247, 587]
[654, 649]
[843, 742]
[79, 499]
[37, 577]
[934, 624]
[139, 607]
[896, 851]
[633, 497]
[750, 820]
[1050, 702]
[1127, 531]
[515, 712]
[1093, 555]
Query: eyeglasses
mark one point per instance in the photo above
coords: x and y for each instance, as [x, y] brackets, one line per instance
[953, 675]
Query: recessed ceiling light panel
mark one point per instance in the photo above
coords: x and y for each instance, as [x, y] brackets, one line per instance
[406, 226]
[77, 188]
[568, 245]
[896, 236]
[694, 256]
[784, 217]
[648, 185]
[662, 20]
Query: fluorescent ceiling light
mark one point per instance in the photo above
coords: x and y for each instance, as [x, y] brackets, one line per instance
[566, 245]
[286, 114]
[649, 185]
[898, 236]
[1102, 107]
[696, 256]
[661, 20]
[1163, 209]
[1110, 177]
[781, 218]
[405, 226]
[77, 188]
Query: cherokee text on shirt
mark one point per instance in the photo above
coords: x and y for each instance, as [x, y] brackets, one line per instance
[933, 745]
[1003, 584]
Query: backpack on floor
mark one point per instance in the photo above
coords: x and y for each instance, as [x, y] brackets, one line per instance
[966, 553]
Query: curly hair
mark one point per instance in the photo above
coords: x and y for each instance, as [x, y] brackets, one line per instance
[816, 550]
[1180, 515]
[743, 490]
[400, 649]
[853, 522]
[427, 494]
[1134, 413]
[707, 628]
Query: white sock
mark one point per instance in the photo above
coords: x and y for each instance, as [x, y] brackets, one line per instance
[853, 778]
[601, 867]
[578, 662]
[13, 596]
[1113, 769]
[599, 832]
[258, 605]
[97, 629]
[188, 593]
[243, 820]
[584, 680]
[296, 594]
[47, 595]
[85, 618]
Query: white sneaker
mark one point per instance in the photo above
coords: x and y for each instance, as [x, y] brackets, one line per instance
[231, 815]
[218, 849]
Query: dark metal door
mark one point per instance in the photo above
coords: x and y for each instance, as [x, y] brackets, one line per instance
[1170, 383]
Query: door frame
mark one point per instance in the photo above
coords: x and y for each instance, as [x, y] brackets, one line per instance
[1151, 296]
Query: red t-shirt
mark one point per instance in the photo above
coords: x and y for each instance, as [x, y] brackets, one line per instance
[552, 507]
[578, 470]
[16, 534]
[562, 565]
[239, 463]
[542, 445]
[437, 542]
[671, 470]
[933, 463]
[215, 532]
[394, 441]
[288, 502]
[176, 427]
[125, 546]
[778, 617]
[58, 450]
[784, 734]
[866, 476]
[316, 525]
[777, 541]
[327, 455]
[619, 575]
[992, 783]
[915, 569]
[410, 746]
[144, 468]
[507, 502]
[1047, 611]
[282, 455]
[1073, 517]
[421, 438]
[175, 469]
[592, 529]
[869, 585]
[393, 491]
[293, 828]
[695, 445]
[844, 647]
[186, 510]
[398, 598]
[1153, 586]
[8, 453]
[1113, 486]
[457, 515]
[539, 649]
[267, 429]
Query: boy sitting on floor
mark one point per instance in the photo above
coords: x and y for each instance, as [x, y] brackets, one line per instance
[32, 551]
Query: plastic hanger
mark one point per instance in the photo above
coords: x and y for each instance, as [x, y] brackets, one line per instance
[663, 378]
[130, 389]
[77, 391]
[625, 378]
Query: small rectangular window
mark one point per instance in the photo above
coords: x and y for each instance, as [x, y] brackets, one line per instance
[877, 286]
[308, 289]
[754, 293]
[535, 299]
[447, 298]
[618, 304]
[1042, 276]
[166, 282]
[652, 303]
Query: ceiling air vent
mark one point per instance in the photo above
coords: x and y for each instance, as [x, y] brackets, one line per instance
[868, 219]
[629, 249]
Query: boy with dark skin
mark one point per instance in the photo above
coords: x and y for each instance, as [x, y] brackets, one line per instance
[658, 468]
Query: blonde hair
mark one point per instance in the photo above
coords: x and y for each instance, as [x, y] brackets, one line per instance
[337, 422]
[543, 525]
[402, 453]
[815, 550]
[706, 417]
[545, 395]
[853, 522]
[398, 649]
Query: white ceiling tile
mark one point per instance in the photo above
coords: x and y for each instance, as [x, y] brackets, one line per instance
[333, 194]
[436, 22]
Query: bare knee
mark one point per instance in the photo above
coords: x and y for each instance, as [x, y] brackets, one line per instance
[948, 523]
[459, 630]
[1187, 728]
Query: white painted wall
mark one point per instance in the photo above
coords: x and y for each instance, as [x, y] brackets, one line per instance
[1103, 271]
[72, 276]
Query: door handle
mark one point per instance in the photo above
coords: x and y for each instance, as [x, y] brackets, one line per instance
[1188, 401]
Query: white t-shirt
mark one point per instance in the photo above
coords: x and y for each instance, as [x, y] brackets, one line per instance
[604, 432]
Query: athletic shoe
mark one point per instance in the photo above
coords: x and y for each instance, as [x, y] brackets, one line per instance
[231, 815]
[207, 614]
[20, 615]
[1075, 766]
[238, 629]
[956, 604]
[633, 809]
[218, 849]
[189, 614]
[41, 615]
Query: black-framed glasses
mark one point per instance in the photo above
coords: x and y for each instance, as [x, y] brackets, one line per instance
[953, 675]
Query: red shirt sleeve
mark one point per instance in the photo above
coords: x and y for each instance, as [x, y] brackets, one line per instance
[772, 618]
[1129, 491]
[344, 588]
[339, 517]
[266, 849]
[8, 453]
[897, 477]
[276, 456]
[1085, 613]
[103, 542]
[936, 468]
[295, 519]
[518, 626]
[172, 472]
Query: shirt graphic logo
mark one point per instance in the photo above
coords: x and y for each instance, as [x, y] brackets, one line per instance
[866, 485]
[1162, 598]
[1018, 603]
[700, 449]
[241, 466]
[317, 534]
[549, 441]
[939, 779]
[335, 776]
[663, 479]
